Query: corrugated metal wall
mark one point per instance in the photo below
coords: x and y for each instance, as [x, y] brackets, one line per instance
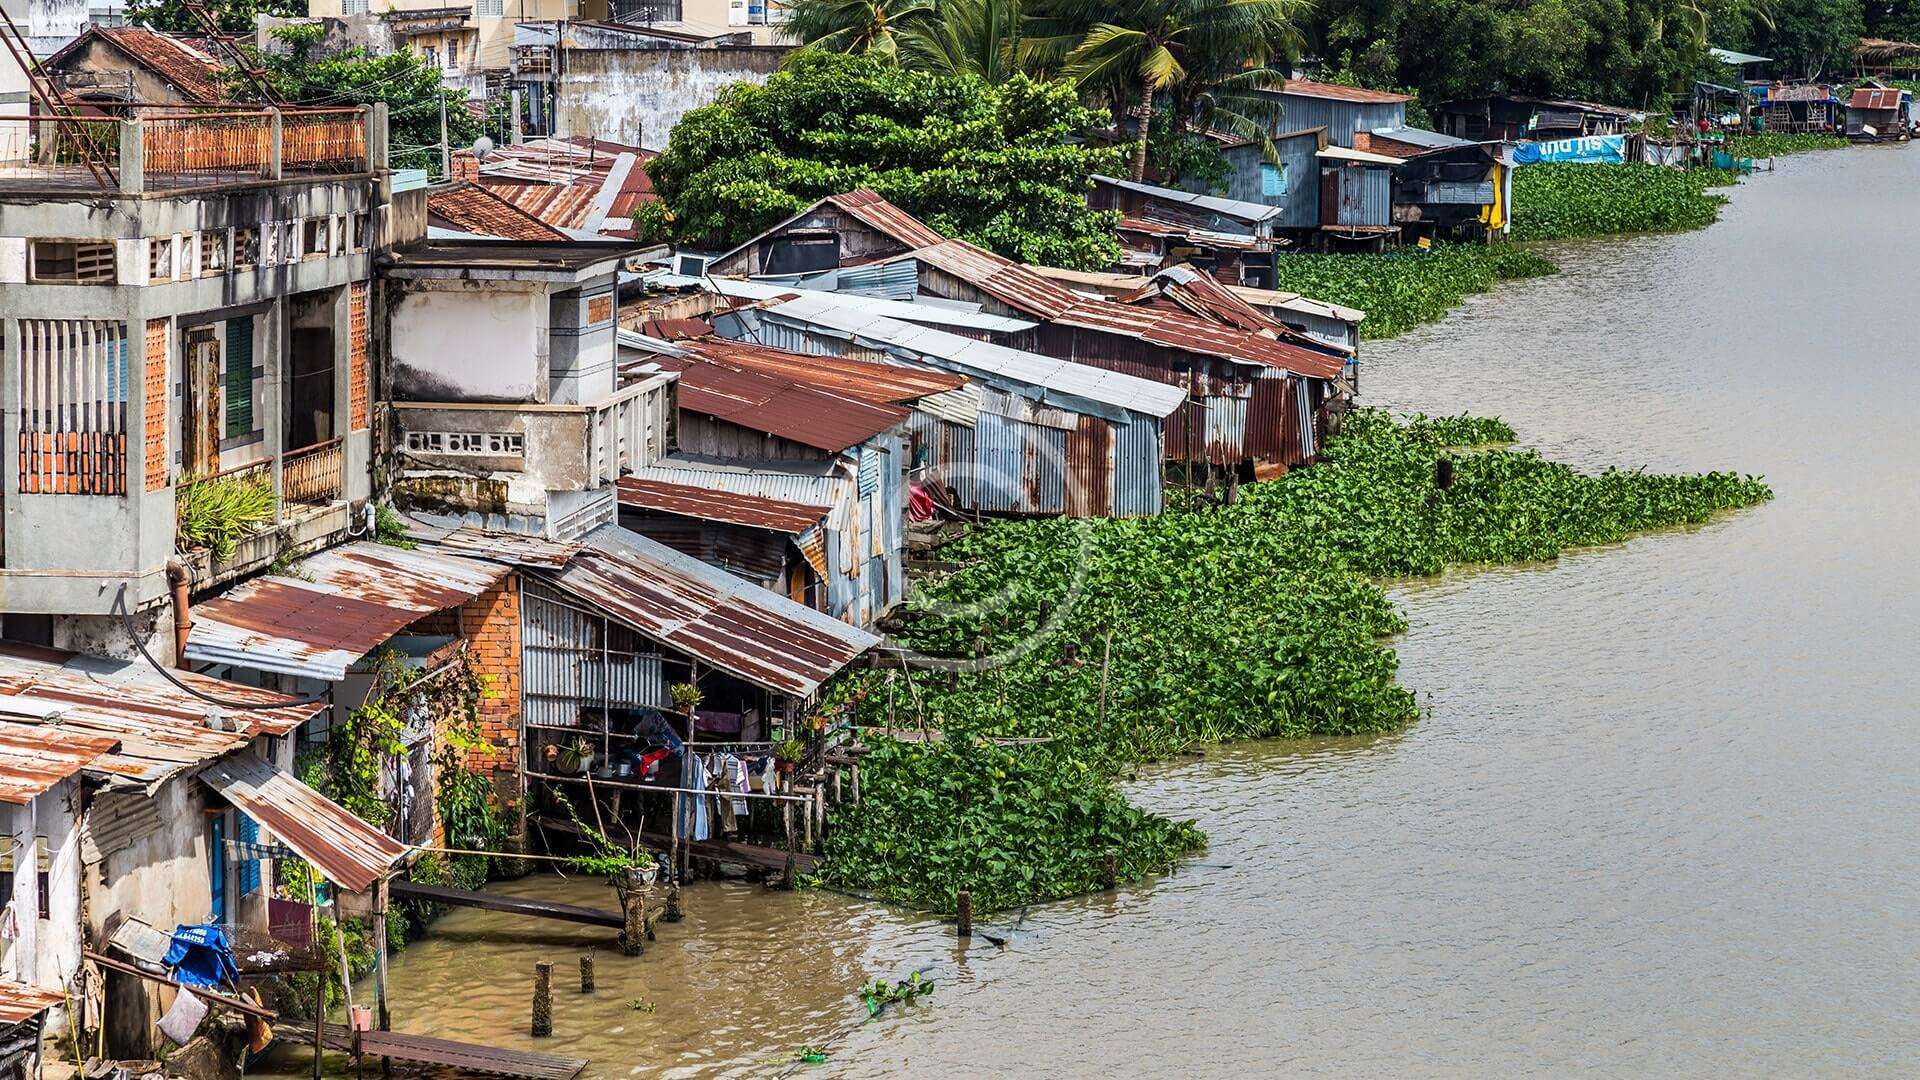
[572, 659]
[1341, 118]
[1139, 475]
[898, 280]
[1366, 196]
[1302, 200]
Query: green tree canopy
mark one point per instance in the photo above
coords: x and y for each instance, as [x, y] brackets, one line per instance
[996, 165]
[234, 16]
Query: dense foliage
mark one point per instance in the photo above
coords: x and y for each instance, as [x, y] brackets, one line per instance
[995, 165]
[217, 513]
[1558, 201]
[1256, 619]
[1402, 289]
[1770, 144]
[410, 87]
[232, 16]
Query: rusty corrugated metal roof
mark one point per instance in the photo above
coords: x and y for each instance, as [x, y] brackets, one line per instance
[347, 850]
[1202, 295]
[161, 729]
[343, 605]
[1179, 330]
[1871, 97]
[20, 1002]
[1158, 229]
[707, 613]
[471, 208]
[510, 548]
[868, 380]
[36, 756]
[867, 205]
[1333, 92]
[1019, 287]
[558, 180]
[729, 507]
[778, 406]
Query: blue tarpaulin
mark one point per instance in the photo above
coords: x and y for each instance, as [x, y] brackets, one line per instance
[201, 956]
[1588, 149]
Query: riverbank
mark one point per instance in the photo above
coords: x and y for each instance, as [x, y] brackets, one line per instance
[1132, 641]
[1552, 201]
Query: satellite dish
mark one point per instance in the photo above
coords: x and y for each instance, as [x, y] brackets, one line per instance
[482, 146]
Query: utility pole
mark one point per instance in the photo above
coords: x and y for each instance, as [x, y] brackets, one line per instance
[446, 152]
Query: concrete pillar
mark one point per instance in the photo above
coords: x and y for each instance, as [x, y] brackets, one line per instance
[133, 174]
[275, 145]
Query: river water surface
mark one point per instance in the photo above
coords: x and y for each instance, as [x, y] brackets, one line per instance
[1662, 817]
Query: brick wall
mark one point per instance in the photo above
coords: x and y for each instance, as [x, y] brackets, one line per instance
[492, 622]
[358, 394]
[155, 449]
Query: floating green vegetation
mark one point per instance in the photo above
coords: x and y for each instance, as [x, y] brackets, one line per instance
[1263, 618]
[1767, 144]
[1401, 289]
[1562, 201]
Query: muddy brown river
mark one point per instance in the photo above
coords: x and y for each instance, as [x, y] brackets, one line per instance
[1662, 818]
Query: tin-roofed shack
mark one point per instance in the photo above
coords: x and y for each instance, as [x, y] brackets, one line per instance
[1230, 238]
[1878, 113]
[839, 230]
[1512, 117]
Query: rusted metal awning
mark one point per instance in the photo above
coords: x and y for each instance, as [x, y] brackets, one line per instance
[707, 613]
[342, 605]
[20, 1002]
[160, 728]
[347, 850]
[36, 756]
[732, 508]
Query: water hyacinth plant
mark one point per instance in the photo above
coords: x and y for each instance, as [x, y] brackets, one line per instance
[1401, 289]
[1564, 201]
[1263, 618]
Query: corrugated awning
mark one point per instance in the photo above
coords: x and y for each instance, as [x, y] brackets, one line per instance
[20, 1002]
[727, 507]
[347, 850]
[36, 756]
[707, 613]
[342, 605]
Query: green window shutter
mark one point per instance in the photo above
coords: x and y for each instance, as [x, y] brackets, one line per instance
[239, 377]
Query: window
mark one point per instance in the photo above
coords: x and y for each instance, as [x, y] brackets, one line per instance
[72, 262]
[313, 236]
[357, 226]
[289, 241]
[1273, 180]
[490, 9]
[246, 248]
[432, 54]
[239, 377]
[73, 392]
[160, 259]
[453, 54]
[353, 7]
[213, 252]
[337, 235]
[42, 900]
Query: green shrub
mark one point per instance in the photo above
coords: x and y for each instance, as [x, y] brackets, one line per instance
[215, 514]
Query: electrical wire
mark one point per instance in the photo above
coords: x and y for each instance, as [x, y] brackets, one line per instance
[126, 619]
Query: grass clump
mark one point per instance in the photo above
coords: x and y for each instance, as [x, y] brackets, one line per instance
[1402, 289]
[1264, 618]
[215, 514]
[1564, 201]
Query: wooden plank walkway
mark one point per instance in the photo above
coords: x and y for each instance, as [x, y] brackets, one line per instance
[512, 905]
[427, 1050]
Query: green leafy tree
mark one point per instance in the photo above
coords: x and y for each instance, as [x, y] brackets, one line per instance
[233, 16]
[996, 165]
[1208, 57]
[411, 89]
[967, 37]
[1806, 38]
[856, 26]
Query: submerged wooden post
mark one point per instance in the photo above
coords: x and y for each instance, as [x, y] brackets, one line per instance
[963, 912]
[786, 818]
[635, 909]
[586, 969]
[1109, 870]
[542, 999]
[673, 912]
[380, 965]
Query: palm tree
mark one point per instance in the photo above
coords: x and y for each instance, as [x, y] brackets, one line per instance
[857, 26]
[967, 37]
[1208, 57]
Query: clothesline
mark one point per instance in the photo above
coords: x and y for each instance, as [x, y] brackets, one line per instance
[630, 785]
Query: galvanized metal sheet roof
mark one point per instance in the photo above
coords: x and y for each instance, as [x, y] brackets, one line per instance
[34, 756]
[707, 613]
[707, 504]
[20, 1003]
[1179, 330]
[347, 850]
[510, 548]
[161, 728]
[1236, 208]
[342, 605]
[951, 315]
[1413, 136]
[1113, 284]
[1334, 92]
[1359, 157]
[1149, 226]
[1203, 296]
[1059, 382]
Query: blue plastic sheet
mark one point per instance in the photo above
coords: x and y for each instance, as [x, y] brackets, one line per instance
[201, 956]
[1588, 149]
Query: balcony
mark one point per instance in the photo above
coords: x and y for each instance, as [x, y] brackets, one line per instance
[178, 151]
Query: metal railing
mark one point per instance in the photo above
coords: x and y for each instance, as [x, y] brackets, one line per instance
[313, 474]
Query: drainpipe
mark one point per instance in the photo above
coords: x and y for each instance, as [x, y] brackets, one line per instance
[178, 578]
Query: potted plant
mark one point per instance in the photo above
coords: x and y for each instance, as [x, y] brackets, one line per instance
[686, 696]
[787, 755]
[575, 757]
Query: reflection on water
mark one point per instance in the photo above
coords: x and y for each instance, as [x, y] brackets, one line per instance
[1660, 817]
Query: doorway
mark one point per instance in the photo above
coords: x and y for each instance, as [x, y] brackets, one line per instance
[310, 362]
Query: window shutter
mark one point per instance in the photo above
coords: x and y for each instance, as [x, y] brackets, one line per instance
[249, 867]
[239, 377]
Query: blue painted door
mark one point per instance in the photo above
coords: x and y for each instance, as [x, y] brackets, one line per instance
[249, 867]
[217, 866]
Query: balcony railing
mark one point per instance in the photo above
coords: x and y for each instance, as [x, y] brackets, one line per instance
[314, 475]
[144, 151]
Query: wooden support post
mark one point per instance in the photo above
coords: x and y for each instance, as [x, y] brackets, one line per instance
[836, 784]
[963, 912]
[1109, 870]
[786, 819]
[673, 912]
[542, 999]
[854, 775]
[586, 971]
[820, 814]
[806, 823]
[380, 966]
[635, 909]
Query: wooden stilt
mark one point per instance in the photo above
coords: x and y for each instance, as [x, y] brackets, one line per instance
[963, 912]
[542, 1026]
[586, 972]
